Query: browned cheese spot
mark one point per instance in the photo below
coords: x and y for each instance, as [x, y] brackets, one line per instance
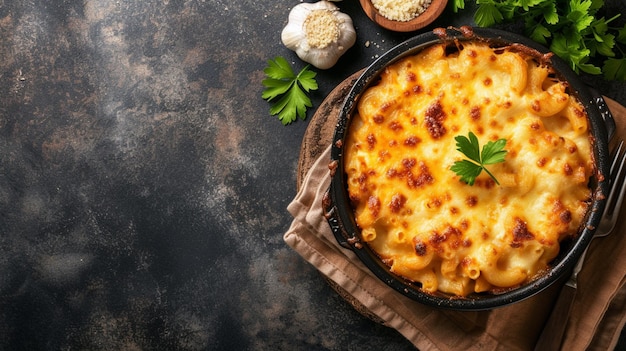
[373, 204]
[475, 113]
[397, 202]
[434, 120]
[412, 141]
[520, 233]
[421, 247]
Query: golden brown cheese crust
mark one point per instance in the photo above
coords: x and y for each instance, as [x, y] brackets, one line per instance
[417, 215]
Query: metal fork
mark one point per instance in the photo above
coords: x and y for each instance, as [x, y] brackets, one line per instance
[616, 197]
[552, 335]
[613, 205]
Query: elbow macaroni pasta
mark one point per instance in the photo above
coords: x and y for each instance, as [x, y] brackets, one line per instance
[416, 214]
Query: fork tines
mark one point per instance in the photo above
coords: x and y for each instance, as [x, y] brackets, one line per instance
[617, 181]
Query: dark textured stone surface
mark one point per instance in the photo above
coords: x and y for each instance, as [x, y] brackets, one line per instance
[143, 184]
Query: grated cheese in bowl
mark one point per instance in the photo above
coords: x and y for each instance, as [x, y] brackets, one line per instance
[401, 10]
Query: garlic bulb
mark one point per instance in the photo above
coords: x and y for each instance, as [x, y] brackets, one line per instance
[319, 33]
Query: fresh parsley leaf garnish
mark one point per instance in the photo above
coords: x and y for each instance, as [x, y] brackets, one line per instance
[492, 152]
[458, 5]
[574, 30]
[286, 91]
[615, 67]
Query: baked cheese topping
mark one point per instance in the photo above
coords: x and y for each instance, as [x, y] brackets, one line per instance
[417, 215]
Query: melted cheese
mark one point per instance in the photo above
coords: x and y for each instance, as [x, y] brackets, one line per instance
[417, 215]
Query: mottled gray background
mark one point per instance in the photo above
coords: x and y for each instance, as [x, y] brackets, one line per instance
[143, 184]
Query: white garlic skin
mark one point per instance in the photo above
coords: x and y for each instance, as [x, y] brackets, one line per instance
[295, 38]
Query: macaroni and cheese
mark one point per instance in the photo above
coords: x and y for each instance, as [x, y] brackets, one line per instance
[416, 214]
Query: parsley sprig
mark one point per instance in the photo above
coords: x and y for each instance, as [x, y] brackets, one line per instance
[573, 29]
[286, 91]
[492, 152]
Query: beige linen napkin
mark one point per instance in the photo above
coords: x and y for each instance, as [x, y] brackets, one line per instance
[595, 323]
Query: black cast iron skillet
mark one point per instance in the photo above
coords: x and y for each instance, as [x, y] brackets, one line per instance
[340, 215]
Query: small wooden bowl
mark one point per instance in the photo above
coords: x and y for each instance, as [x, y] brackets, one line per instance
[433, 11]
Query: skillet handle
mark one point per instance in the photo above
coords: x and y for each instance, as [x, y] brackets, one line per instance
[605, 113]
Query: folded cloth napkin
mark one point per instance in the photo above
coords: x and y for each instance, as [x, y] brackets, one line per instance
[598, 315]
